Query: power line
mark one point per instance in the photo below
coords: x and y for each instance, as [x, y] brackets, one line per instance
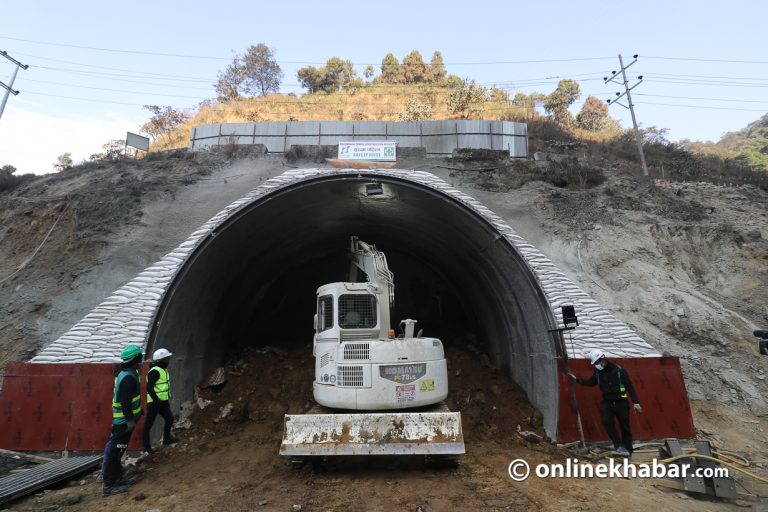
[9, 88]
[694, 59]
[630, 106]
[105, 67]
[713, 83]
[702, 76]
[702, 106]
[112, 90]
[700, 98]
[208, 57]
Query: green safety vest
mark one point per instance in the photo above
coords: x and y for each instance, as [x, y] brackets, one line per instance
[162, 386]
[118, 418]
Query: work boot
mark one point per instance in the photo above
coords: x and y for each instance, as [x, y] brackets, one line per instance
[621, 452]
[127, 480]
[115, 488]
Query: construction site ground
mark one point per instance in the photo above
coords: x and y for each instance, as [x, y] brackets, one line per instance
[684, 265]
[228, 457]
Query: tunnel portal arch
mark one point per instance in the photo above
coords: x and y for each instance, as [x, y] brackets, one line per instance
[249, 275]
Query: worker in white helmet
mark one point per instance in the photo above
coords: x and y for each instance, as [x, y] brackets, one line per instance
[614, 383]
[158, 398]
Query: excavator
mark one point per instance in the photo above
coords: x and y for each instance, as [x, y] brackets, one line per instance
[376, 393]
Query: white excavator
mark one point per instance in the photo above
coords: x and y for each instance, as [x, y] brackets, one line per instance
[377, 394]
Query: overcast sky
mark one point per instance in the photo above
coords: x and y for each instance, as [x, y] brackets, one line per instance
[92, 65]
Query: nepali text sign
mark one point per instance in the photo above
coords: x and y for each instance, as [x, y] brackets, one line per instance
[379, 150]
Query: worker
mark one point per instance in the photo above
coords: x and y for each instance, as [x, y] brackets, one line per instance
[126, 411]
[614, 383]
[158, 398]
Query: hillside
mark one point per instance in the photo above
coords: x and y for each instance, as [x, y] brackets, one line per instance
[748, 145]
[375, 102]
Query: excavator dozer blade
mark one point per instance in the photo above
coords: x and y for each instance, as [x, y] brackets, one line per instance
[390, 433]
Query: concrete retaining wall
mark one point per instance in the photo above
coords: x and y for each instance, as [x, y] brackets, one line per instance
[438, 137]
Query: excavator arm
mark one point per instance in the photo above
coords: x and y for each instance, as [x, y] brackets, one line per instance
[366, 258]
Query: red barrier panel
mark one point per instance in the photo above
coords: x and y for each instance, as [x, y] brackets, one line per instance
[52, 407]
[660, 387]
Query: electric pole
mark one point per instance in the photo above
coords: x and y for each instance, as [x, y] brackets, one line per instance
[630, 106]
[9, 88]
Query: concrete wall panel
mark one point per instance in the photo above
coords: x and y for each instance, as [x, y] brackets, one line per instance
[437, 137]
[370, 130]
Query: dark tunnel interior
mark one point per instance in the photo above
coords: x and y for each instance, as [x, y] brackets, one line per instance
[253, 281]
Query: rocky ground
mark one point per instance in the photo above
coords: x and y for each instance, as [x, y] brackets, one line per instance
[685, 265]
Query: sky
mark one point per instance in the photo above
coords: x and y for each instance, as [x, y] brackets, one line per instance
[93, 65]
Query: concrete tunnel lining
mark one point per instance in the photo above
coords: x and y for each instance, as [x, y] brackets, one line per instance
[252, 281]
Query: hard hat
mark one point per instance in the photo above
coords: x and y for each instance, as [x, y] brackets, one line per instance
[161, 353]
[596, 355]
[130, 352]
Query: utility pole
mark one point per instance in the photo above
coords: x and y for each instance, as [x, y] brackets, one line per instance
[631, 106]
[9, 88]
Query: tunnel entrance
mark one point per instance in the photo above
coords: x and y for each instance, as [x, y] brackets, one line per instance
[252, 281]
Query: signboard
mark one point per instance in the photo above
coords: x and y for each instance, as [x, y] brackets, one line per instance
[377, 150]
[137, 141]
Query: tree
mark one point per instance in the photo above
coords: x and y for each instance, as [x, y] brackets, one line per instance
[437, 67]
[415, 110]
[556, 104]
[498, 95]
[465, 100]
[63, 162]
[391, 72]
[163, 121]
[261, 70]
[310, 78]
[414, 69]
[113, 150]
[529, 103]
[368, 72]
[593, 115]
[229, 82]
[337, 74]
[256, 72]
[8, 169]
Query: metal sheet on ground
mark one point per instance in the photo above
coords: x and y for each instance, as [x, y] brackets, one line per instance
[44, 475]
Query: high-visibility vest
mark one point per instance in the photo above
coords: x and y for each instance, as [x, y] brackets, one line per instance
[118, 418]
[162, 386]
[622, 389]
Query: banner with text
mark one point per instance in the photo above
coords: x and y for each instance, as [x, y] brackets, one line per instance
[378, 150]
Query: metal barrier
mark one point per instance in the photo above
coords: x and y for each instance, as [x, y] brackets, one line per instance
[437, 137]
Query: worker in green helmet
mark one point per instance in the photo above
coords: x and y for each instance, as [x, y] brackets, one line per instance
[158, 398]
[126, 411]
